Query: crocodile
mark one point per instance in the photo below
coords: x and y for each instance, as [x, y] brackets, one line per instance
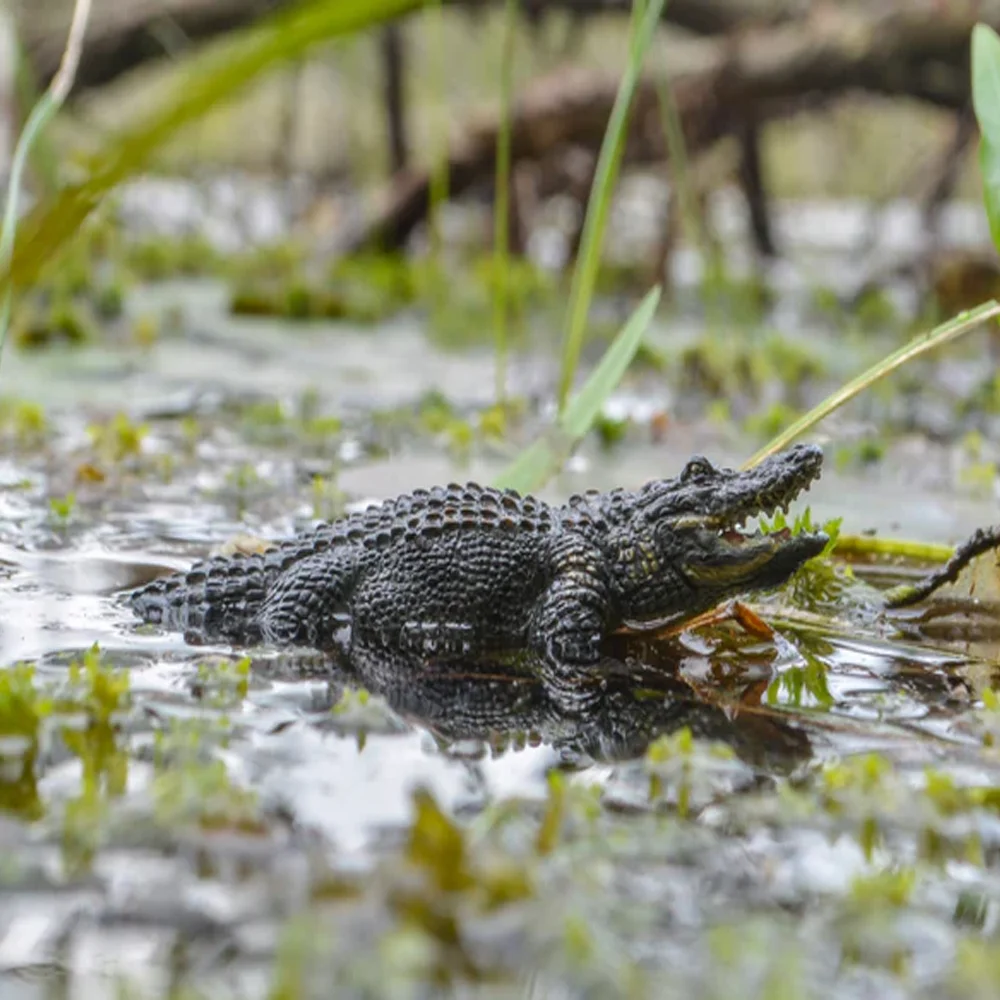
[463, 569]
[502, 699]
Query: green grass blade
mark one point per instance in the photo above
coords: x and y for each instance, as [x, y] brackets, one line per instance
[501, 201]
[211, 78]
[921, 344]
[645, 20]
[541, 460]
[986, 101]
[41, 114]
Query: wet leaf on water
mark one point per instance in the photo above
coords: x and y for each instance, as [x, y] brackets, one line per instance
[437, 845]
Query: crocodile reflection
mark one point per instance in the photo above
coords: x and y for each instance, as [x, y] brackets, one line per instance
[504, 701]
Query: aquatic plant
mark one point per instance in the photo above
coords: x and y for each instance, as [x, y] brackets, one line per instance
[222, 683]
[117, 439]
[986, 103]
[23, 422]
[207, 79]
[41, 114]
[533, 467]
[645, 19]
[62, 508]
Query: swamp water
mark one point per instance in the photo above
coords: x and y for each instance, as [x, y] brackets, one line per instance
[812, 815]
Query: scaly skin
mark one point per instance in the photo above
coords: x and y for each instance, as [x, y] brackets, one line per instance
[461, 570]
[504, 700]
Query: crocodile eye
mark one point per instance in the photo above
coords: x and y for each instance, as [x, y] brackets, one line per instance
[696, 467]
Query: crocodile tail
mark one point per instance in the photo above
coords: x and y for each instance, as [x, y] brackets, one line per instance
[215, 598]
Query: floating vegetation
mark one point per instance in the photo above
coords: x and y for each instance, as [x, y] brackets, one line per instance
[118, 439]
[23, 423]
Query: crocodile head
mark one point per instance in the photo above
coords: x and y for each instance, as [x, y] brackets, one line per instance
[680, 550]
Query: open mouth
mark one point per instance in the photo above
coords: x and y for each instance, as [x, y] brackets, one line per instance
[772, 486]
[735, 537]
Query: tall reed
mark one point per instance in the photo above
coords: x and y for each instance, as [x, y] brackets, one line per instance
[646, 15]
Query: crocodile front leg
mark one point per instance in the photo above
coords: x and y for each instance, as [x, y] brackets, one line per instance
[310, 599]
[567, 625]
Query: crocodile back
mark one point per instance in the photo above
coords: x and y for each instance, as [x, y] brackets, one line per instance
[222, 593]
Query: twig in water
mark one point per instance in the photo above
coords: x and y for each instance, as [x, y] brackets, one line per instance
[906, 594]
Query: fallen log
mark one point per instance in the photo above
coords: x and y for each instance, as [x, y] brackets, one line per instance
[123, 34]
[701, 17]
[757, 75]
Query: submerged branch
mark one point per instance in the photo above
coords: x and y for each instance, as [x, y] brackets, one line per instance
[759, 74]
[907, 594]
